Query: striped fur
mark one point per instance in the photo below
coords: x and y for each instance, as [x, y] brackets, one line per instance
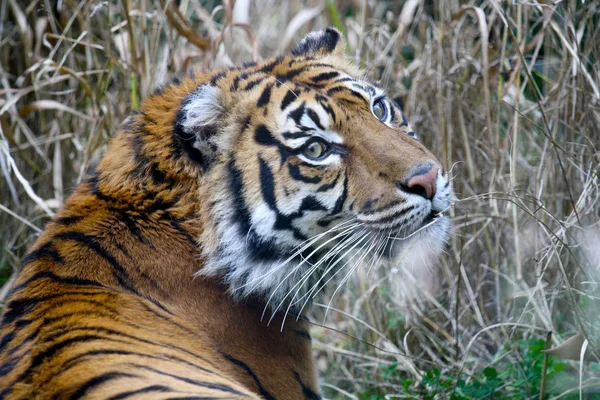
[172, 270]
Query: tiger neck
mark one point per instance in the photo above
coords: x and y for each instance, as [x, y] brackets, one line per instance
[146, 247]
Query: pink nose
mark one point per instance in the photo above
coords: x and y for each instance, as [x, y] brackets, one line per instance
[422, 181]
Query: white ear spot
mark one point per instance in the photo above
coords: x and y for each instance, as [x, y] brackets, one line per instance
[201, 108]
[196, 125]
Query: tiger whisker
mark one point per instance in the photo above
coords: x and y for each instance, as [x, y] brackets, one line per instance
[298, 250]
[379, 251]
[356, 264]
[329, 256]
[295, 268]
[311, 293]
[417, 231]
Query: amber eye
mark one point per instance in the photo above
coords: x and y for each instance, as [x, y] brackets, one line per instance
[379, 110]
[316, 150]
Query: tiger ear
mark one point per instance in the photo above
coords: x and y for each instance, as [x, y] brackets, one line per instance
[321, 43]
[196, 125]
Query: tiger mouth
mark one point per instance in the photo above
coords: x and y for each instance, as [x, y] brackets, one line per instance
[405, 223]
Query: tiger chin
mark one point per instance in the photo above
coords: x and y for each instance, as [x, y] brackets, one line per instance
[230, 193]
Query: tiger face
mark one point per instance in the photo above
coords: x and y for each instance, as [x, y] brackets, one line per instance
[308, 172]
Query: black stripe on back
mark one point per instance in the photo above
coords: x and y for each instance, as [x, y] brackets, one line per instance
[68, 220]
[263, 392]
[209, 385]
[46, 252]
[308, 392]
[90, 242]
[147, 389]
[97, 381]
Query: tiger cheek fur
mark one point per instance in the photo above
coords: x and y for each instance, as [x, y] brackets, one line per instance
[220, 210]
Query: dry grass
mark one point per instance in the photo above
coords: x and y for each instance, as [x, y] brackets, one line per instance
[507, 93]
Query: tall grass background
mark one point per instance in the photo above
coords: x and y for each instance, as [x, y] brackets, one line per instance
[506, 93]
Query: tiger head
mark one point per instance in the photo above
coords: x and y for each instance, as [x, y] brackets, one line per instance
[305, 172]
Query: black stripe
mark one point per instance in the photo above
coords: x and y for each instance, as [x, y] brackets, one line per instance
[391, 218]
[329, 186]
[295, 135]
[302, 333]
[42, 356]
[176, 225]
[291, 74]
[240, 213]
[94, 183]
[67, 280]
[263, 392]
[131, 224]
[324, 102]
[217, 77]
[340, 201]
[370, 203]
[404, 120]
[297, 114]
[308, 392]
[258, 248]
[147, 389]
[46, 252]
[296, 174]
[97, 381]
[252, 84]
[325, 76]
[236, 81]
[347, 90]
[18, 308]
[6, 339]
[149, 196]
[57, 346]
[265, 97]
[90, 242]
[68, 220]
[287, 99]
[315, 117]
[384, 208]
[263, 136]
[73, 361]
[267, 184]
[208, 385]
[270, 66]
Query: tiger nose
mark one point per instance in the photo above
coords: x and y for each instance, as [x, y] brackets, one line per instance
[421, 180]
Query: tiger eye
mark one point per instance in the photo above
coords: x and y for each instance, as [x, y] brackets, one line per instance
[379, 110]
[315, 150]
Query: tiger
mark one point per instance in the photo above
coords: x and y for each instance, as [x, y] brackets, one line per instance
[183, 265]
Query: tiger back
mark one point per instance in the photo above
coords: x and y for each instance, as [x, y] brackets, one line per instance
[183, 265]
